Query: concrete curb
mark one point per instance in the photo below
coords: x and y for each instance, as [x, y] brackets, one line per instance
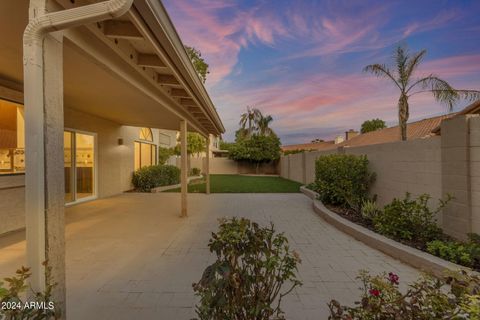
[414, 257]
[174, 186]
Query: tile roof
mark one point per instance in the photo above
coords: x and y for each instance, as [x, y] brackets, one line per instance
[309, 146]
[415, 130]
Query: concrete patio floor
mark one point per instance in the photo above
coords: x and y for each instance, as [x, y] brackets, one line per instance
[132, 257]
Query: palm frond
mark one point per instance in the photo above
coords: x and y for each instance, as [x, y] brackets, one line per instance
[443, 91]
[413, 62]
[381, 70]
[401, 58]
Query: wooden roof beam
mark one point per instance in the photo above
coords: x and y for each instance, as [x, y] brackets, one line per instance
[150, 60]
[167, 79]
[181, 93]
[121, 30]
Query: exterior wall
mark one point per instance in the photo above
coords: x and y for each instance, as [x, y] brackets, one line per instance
[475, 173]
[115, 163]
[12, 202]
[405, 166]
[228, 166]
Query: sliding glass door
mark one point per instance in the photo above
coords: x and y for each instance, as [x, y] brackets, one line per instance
[80, 166]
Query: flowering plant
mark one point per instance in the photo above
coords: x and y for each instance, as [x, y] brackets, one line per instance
[454, 296]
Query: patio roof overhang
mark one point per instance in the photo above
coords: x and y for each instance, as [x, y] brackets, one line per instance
[133, 70]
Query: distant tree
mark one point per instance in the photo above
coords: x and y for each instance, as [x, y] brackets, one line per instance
[249, 120]
[257, 149]
[198, 62]
[164, 154]
[263, 125]
[226, 145]
[317, 140]
[195, 144]
[241, 134]
[403, 77]
[372, 125]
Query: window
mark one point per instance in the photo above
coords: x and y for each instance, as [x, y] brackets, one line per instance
[145, 149]
[12, 137]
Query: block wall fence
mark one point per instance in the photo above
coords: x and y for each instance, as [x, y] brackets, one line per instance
[449, 163]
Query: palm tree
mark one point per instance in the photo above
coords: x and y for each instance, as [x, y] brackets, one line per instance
[250, 118]
[263, 125]
[405, 66]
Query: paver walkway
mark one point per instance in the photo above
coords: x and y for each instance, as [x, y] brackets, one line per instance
[132, 257]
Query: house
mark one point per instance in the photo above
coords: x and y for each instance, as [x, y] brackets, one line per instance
[415, 130]
[308, 146]
[87, 90]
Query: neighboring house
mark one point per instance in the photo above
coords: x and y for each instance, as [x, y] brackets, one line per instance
[308, 146]
[81, 109]
[415, 130]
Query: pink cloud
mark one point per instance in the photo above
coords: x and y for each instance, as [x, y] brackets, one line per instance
[453, 67]
[426, 25]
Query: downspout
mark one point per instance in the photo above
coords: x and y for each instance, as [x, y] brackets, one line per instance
[34, 100]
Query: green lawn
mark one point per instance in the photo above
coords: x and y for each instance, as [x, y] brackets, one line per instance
[226, 183]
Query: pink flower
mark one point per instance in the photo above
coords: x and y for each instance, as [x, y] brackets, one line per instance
[374, 292]
[393, 278]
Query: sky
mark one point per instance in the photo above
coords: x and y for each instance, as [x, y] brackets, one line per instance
[301, 61]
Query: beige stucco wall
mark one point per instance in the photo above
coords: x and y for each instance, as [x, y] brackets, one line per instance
[217, 165]
[475, 172]
[115, 163]
[405, 166]
[12, 202]
[296, 167]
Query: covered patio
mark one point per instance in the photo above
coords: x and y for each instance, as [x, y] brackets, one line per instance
[99, 69]
[128, 258]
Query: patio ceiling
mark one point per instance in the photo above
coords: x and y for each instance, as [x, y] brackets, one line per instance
[133, 70]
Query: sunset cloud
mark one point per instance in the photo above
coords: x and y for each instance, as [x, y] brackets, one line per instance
[301, 61]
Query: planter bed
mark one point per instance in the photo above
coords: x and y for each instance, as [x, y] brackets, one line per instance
[414, 257]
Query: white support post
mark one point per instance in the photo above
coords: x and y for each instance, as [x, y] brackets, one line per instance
[183, 167]
[207, 166]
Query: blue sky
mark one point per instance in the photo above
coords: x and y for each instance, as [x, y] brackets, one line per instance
[302, 61]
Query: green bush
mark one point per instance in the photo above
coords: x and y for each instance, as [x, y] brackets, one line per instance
[245, 282]
[194, 172]
[407, 219]
[12, 304]
[464, 253]
[343, 180]
[147, 178]
[455, 296]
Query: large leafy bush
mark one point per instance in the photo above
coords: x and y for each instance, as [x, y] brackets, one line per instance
[455, 296]
[256, 149]
[147, 178]
[410, 219]
[343, 180]
[246, 280]
[164, 154]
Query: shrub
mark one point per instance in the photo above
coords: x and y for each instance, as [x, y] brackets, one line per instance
[454, 296]
[369, 210]
[147, 178]
[13, 307]
[245, 281]
[343, 179]
[407, 219]
[164, 154]
[194, 172]
[464, 253]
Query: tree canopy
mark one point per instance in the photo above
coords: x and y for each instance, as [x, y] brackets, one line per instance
[198, 62]
[257, 149]
[195, 144]
[372, 125]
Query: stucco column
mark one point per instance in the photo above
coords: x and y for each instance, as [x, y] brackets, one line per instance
[207, 166]
[183, 168]
[45, 226]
